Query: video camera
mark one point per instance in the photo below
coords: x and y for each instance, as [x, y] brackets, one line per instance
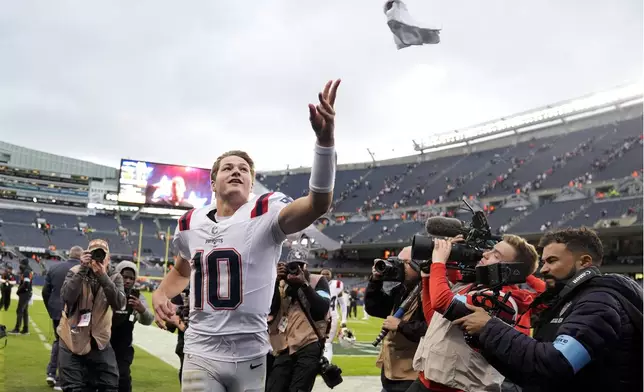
[465, 255]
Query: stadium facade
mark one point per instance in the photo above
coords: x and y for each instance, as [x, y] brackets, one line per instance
[572, 163]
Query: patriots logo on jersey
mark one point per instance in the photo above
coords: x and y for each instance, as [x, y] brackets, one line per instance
[216, 237]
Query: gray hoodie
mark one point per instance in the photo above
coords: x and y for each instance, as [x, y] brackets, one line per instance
[145, 318]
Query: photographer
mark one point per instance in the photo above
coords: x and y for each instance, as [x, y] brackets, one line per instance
[588, 330]
[296, 367]
[123, 321]
[444, 358]
[400, 344]
[179, 323]
[86, 323]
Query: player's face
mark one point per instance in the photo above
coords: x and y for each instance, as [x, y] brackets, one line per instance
[233, 179]
[501, 252]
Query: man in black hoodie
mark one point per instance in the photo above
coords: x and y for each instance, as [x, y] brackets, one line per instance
[24, 296]
[588, 327]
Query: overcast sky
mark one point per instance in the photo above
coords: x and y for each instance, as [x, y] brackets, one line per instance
[182, 82]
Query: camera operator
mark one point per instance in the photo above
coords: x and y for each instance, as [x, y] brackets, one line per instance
[85, 326]
[444, 358]
[8, 280]
[179, 323]
[400, 344]
[123, 321]
[588, 329]
[296, 367]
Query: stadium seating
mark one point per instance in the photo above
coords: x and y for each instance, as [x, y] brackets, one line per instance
[574, 159]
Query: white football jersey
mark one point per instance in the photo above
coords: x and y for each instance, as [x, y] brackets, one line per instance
[336, 288]
[233, 266]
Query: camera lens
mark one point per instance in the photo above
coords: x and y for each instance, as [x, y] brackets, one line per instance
[382, 266]
[98, 255]
[293, 268]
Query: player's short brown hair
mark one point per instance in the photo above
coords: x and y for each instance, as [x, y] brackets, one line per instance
[233, 153]
[579, 241]
[526, 253]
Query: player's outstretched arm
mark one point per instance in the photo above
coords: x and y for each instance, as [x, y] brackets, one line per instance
[172, 285]
[304, 211]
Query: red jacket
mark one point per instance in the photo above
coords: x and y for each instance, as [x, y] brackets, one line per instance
[441, 296]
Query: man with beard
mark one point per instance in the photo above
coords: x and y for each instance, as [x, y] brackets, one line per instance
[588, 330]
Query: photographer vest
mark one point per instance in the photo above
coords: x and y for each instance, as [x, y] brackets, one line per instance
[445, 358]
[100, 323]
[298, 331]
[277, 339]
[397, 353]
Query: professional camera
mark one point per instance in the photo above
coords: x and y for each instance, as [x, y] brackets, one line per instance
[330, 373]
[293, 267]
[98, 255]
[391, 269]
[183, 311]
[464, 255]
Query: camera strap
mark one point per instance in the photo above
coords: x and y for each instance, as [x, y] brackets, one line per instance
[304, 305]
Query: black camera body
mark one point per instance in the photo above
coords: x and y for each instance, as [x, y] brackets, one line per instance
[465, 255]
[293, 267]
[330, 373]
[98, 255]
[183, 311]
[132, 293]
[391, 269]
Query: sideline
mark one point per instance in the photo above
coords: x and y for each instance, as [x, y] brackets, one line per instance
[161, 344]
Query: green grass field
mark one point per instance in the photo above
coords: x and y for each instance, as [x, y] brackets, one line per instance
[24, 359]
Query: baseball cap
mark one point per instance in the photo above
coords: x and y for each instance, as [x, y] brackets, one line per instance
[98, 244]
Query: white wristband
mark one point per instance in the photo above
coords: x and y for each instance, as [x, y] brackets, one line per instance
[323, 170]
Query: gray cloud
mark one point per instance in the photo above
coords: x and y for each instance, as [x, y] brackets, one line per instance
[181, 83]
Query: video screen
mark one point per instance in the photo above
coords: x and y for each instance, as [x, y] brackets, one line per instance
[163, 186]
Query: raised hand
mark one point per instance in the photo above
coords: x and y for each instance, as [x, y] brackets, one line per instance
[322, 116]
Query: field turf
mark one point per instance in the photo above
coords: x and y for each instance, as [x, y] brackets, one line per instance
[24, 359]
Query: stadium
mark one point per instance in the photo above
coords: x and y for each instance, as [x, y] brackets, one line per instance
[572, 163]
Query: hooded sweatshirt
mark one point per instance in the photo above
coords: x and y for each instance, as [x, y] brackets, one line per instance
[123, 320]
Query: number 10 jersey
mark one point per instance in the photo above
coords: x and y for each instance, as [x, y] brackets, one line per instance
[233, 266]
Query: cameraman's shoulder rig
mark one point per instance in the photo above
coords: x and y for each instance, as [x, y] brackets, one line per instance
[292, 324]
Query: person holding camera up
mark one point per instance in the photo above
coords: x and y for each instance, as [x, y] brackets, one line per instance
[179, 323]
[399, 345]
[588, 327]
[90, 292]
[123, 321]
[304, 306]
[24, 292]
[445, 359]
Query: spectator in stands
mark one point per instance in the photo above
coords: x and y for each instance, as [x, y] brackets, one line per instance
[89, 291]
[398, 347]
[123, 321]
[588, 330]
[51, 297]
[8, 280]
[24, 292]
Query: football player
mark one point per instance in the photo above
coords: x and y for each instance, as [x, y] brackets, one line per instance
[337, 305]
[228, 252]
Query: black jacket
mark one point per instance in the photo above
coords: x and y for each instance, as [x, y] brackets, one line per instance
[53, 283]
[582, 342]
[381, 304]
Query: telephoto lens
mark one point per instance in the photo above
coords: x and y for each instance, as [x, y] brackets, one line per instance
[293, 267]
